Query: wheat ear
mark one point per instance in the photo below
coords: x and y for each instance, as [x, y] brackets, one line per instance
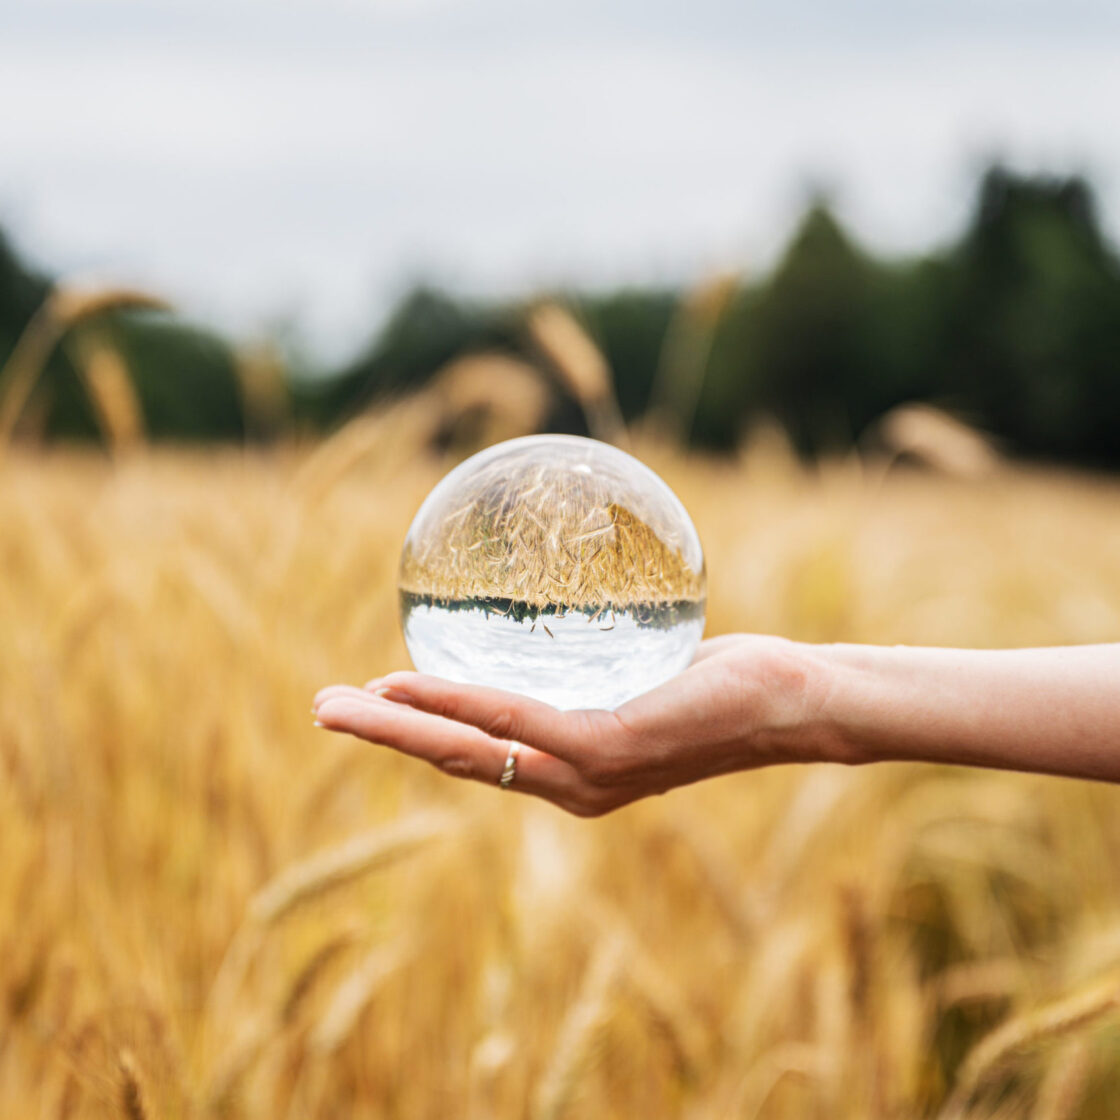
[353, 996]
[1063, 1087]
[312, 877]
[579, 1032]
[1054, 1020]
[131, 1095]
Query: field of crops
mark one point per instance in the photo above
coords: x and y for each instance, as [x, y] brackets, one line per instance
[208, 908]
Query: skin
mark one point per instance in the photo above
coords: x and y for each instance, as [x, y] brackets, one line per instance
[750, 701]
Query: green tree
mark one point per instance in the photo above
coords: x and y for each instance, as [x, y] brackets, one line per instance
[1032, 331]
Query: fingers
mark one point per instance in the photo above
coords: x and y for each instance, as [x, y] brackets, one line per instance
[456, 748]
[577, 737]
[336, 691]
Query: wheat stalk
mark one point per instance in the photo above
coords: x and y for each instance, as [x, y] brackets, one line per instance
[996, 1051]
[581, 368]
[939, 440]
[263, 382]
[370, 851]
[238, 1058]
[105, 376]
[785, 1059]
[579, 1032]
[497, 397]
[336, 775]
[64, 309]
[304, 980]
[667, 1010]
[131, 1097]
[976, 982]
[353, 996]
[68, 1097]
[679, 381]
[72, 304]
[1063, 1088]
[389, 436]
[309, 879]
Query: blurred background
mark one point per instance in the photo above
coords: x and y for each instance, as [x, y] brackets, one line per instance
[844, 274]
[813, 212]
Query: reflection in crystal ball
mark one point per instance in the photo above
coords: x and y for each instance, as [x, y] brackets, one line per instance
[557, 567]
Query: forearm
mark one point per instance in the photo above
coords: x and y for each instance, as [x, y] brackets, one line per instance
[1051, 710]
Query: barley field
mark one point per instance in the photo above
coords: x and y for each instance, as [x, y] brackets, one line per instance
[208, 908]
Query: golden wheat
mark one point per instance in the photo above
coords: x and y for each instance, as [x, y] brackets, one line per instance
[131, 1094]
[358, 856]
[580, 368]
[205, 905]
[65, 309]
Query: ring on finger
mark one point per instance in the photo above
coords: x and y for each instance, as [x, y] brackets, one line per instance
[509, 771]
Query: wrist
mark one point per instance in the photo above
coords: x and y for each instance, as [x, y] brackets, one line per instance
[801, 715]
[874, 704]
[843, 683]
[817, 703]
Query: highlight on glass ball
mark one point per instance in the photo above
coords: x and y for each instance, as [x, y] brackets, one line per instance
[557, 567]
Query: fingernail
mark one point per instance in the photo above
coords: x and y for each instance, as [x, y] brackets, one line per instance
[337, 709]
[394, 695]
[317, 723]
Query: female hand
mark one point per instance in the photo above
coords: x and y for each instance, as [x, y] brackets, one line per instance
[751, 701]
[744, 702]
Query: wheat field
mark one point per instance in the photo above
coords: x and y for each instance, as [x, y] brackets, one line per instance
[208, 908]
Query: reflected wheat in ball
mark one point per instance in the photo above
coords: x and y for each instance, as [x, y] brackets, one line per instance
[557, 567]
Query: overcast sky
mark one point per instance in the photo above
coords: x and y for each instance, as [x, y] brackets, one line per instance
[257, 160]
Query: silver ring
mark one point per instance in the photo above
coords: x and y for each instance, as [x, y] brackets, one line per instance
[509, 771]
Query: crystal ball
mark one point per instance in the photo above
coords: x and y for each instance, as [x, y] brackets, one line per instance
[557, 567]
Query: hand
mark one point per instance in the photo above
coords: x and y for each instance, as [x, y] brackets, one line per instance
[743, 703]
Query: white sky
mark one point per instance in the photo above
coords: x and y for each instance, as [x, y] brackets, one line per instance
[256, 160]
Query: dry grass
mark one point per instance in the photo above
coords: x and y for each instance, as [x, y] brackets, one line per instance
[210, 909]
[548, 536]
[580, 368]
[66, 309]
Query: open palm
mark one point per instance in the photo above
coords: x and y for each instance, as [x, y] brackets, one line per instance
[726, 712]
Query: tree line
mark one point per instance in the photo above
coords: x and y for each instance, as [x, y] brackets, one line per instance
[1014, 326]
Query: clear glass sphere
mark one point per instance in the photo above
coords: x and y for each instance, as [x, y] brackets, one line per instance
[557, 567]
